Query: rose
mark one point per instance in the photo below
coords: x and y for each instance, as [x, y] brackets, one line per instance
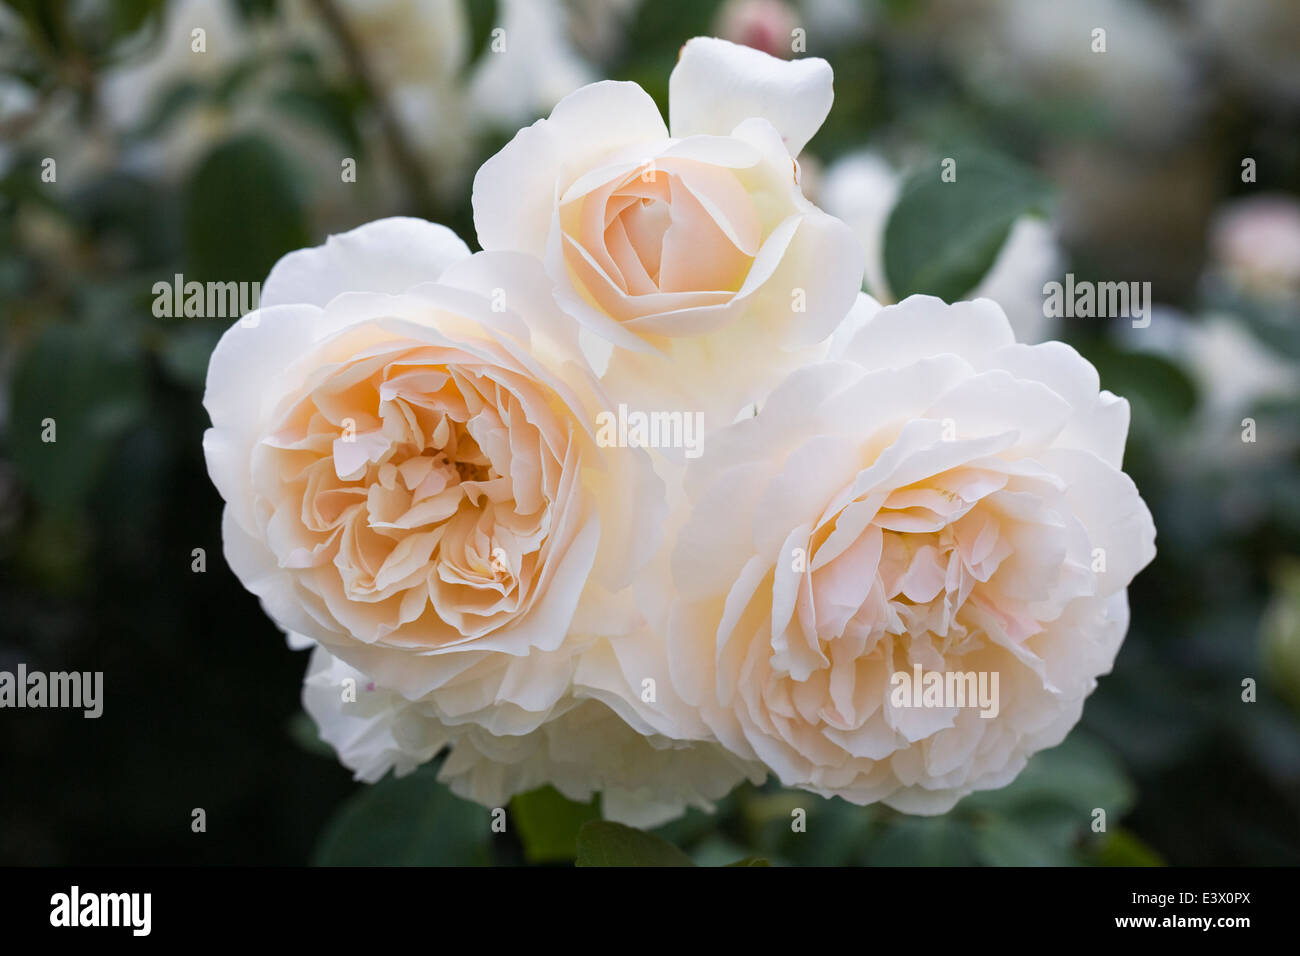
[584, 748]
[620, 731]
[694, 256]
[934, 495]
[766, 25]
[1071, 49]
[1256, 245]
[410, 474]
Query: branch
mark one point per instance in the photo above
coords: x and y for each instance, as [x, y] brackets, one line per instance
[409, 167]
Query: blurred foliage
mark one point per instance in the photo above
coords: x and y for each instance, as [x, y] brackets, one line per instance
[224, 171]
[410, 821]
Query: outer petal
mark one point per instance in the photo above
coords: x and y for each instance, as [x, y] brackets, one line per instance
[250, 355]
[1100, 420]
[644, 780]
[387, 255]
[1108, 504]
[824, 263]
[515, 191]
[716, 85]
[374, 730]
[921, 326]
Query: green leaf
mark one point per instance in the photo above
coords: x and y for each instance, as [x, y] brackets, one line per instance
[93, 386]
[924, 841]
[134, 215]
[751, 861]
[1159, 391]
[242, 211]
[256, 9]
[328, 110]
[1122, 848]
[943, 237]
[167, 106]
[237, 78]
[717, 849]
[1275, 322]
[482, 21]
[1079, 775]
[1003, 841]
[407, 821]
[602, 843]
[549, 822]
[303, 731]
[130, 15]
[836, 832]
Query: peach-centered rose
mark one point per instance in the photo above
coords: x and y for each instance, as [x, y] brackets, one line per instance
[935, 500]
[645, 242]
[411, 478]
[675, 249]
[423, 484]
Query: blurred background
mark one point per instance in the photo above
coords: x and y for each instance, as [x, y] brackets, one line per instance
[140, 139]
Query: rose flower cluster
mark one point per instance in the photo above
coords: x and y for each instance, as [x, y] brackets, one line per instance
[405, 436]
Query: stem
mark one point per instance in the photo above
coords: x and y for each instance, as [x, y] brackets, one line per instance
[408, 165]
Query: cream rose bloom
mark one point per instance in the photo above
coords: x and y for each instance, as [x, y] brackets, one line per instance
[620, 731]
[687, 251]
[402, 436]
[584, 748]
[935, 495]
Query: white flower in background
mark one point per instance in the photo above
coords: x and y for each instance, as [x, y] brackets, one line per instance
[409, 472]
[416, 52]
[419, 53]
[1255, 245]
[131, 89]
[1232, 370]
[537, 68]
[1254, 251]
[17, 100]
[936, 496]
[692, 254]
[1029, 258]
[153, 67]
[1025, 50]
[1257, 39]
[52, 127]
[601, 29]
[46, 121]
[838, 21]
[765, 25]
[861, 188]
[769, 25]
[407, 43]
